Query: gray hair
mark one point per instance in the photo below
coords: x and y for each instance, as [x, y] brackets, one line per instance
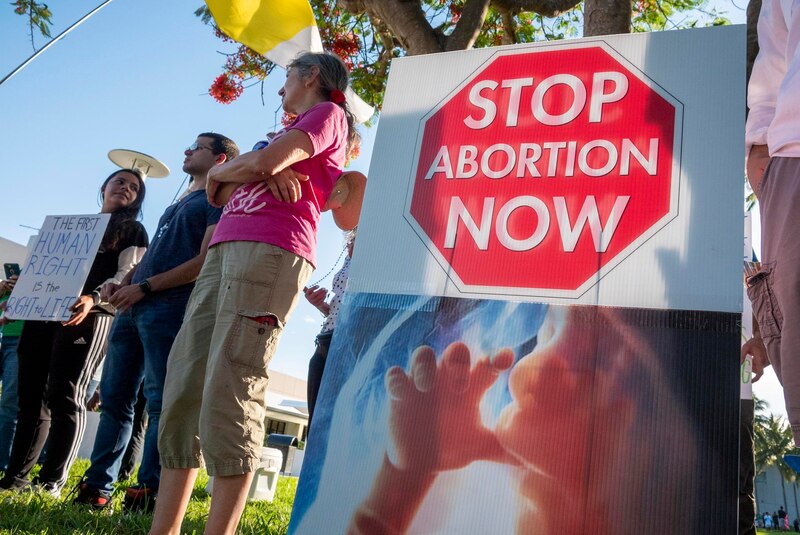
[332, 76]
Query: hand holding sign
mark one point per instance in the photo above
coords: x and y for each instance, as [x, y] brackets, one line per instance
[80, 309]
[755, 348]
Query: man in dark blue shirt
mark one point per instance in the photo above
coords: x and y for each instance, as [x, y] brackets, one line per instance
[150, 304]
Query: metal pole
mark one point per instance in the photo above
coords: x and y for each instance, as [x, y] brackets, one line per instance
[53, 41]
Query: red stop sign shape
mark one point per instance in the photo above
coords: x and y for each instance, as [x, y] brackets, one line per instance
[545, 169]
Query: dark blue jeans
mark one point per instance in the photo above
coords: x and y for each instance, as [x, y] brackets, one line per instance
[9, 401]
[316, 367]
[140, 341]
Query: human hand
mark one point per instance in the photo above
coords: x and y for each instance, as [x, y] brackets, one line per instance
[757, 162]
[107, 290]
[285, 185]
[126, 297]
[93, 402]
[80, 309]
[7, 285]
[435, 420]
[316, 296]
[219, 193]
[756, 349]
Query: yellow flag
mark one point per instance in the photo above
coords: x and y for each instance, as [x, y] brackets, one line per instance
[277, 29]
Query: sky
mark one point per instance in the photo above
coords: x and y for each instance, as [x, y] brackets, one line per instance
[136, 76]
[133, 76]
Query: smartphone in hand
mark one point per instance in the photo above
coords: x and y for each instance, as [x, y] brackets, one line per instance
[11, 269]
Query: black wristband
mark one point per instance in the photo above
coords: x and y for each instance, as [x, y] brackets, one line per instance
[145, 287]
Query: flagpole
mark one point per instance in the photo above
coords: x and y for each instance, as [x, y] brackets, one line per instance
[53, 41]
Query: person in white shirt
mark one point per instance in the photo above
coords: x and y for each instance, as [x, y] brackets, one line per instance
[773, 169]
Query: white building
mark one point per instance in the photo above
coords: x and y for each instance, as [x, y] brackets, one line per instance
[287, 412]
[769, 494]
[11, 252]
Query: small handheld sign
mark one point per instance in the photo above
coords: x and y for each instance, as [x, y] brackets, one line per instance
[58, 263]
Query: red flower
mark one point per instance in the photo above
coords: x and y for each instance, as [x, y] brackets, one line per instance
[225, 89]
[287, 118]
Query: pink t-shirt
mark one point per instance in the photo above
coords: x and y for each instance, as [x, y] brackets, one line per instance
[254, 214]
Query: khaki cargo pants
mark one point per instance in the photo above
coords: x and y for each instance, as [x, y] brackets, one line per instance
[214, 393]
[776, 296]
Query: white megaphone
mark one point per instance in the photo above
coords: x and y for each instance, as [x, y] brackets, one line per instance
[144, 163]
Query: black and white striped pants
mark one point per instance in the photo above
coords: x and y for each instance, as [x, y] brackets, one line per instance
[56, 364]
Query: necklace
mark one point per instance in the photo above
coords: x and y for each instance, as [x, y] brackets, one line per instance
[331, 271]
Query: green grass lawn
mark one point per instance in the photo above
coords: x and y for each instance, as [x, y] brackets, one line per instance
[30, 513]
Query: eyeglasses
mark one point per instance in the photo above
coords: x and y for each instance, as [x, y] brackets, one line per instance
[196, 146]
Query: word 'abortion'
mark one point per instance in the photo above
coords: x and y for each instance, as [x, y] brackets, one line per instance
[551, 158]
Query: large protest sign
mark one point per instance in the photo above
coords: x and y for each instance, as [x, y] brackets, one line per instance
[59, 259]
[542, 325]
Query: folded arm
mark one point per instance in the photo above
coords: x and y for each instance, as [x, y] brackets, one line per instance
[292, 147]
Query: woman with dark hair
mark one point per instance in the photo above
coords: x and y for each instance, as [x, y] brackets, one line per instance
[57, 359]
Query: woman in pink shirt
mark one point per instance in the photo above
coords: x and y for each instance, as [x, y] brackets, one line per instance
[260, 257]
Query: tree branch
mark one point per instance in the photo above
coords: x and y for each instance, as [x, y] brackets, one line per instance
[509, 28]
[547, 8]
[404, 18]
[30, 26]
[353, 6]
[386, 56]
[469, 25]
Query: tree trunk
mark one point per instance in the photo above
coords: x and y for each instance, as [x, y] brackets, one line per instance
[606, 17]
[407, 22]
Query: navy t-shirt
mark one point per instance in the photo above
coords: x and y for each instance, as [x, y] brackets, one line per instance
[177, 240]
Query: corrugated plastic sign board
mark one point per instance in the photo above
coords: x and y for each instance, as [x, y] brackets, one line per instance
[541, 328]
